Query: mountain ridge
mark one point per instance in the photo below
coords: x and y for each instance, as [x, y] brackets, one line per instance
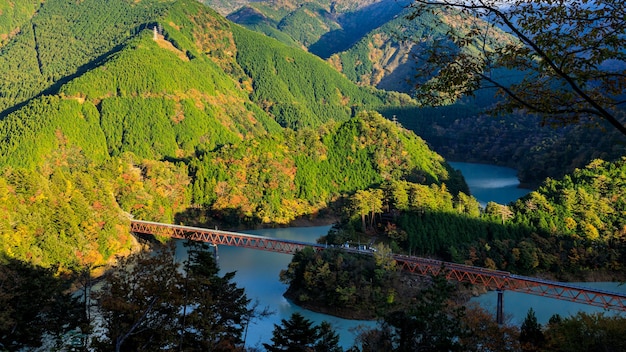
[206, 122]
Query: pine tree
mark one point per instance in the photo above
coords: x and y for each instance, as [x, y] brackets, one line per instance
[433, 323]
[34, 301]
[220, 308]
[299, 334]
[328, 340]
[531, 337]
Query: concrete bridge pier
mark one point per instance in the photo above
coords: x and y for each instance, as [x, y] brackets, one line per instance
[500, 307]
[216, 255]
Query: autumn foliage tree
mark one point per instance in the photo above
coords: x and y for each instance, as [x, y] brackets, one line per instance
[486, 335]
[586, 332]
[140, 301]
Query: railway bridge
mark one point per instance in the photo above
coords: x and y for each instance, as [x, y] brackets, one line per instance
[492, 279]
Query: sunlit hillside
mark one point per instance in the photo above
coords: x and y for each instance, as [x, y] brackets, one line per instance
[169, 112]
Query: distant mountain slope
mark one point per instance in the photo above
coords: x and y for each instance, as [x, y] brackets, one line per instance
[373, 44]
[322, 27]
[358, 37]
[226, 7]
[384, 59]
[299, 89]
[357, 23]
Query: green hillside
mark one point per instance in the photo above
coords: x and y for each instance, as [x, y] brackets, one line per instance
[253, 19]
[189, 90]
[299, 89]
[302, 172]
[146, 97]
[382, 58]
[186, 124]
[13, 15]
[65, 39]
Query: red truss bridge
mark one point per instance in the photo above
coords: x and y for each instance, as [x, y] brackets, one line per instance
[218, 237]
[493, 279]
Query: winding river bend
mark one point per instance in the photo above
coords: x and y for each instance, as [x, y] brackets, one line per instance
[500, 184]
[258, 271]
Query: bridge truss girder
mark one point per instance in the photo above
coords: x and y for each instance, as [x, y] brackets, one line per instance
[503, 280]
[493, 279]
[218, 237]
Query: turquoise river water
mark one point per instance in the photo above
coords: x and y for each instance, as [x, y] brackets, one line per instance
[258, 271]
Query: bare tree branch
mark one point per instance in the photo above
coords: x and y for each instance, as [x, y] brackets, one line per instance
[560, 46]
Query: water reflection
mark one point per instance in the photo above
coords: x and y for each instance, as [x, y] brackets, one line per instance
[491, 183]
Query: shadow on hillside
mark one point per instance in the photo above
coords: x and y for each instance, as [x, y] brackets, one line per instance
[355, 25]
[34, 301]
[98, 61]
[483, 242]
[56, 86]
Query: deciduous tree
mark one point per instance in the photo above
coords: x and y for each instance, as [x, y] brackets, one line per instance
[586, 332]
[486, 335]
[571, 55]
[140, 302]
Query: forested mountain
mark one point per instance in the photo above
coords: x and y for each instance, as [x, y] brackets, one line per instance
[321, 26]
[167, 111]
[373, 44]
[385, 53]
[366, 35]
[223, 85]
[164, 110]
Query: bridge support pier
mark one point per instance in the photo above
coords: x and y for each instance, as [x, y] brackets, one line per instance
[216, 255]
[500, 307]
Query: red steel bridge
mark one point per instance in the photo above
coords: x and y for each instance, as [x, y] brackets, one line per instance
[493, 279]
